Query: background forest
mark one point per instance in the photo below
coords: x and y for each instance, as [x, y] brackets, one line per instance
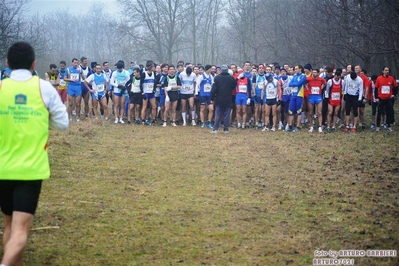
[320, 32]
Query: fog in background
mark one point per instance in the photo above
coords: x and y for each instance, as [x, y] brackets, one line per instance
[320, 32]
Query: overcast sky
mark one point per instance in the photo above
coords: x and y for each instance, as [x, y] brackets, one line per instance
[76, 6]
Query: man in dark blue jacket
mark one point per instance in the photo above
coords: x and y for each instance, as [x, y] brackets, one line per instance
[221, 97]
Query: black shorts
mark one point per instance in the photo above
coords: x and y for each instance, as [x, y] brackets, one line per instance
[136, 98]
[173, 95]
[21, 196]
[186, 96]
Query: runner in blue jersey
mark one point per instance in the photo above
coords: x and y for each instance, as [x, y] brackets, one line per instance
[282, 109]
[258, 84]
[204, 86]
[147, 87]
[98, 90]
[250, 104]
[118, 80]
[74, 77]
[297, 92]
[86, 71]
[159, 80]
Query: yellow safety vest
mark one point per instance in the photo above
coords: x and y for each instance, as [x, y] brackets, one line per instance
[24, 126]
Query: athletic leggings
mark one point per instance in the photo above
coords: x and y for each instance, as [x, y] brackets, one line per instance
[385, 106]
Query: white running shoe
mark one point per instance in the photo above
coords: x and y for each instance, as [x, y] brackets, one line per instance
[174, 124]
[121, 121]
[116, 121]
[311, 129]
[77, 119]
[164, 124]
[265, 128]
[273, 129]
[320, 130]
[193, 123]
[184, 124]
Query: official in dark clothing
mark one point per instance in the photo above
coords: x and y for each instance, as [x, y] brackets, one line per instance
[221, 96]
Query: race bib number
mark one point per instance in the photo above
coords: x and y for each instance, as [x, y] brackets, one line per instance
[100, 87]
[385, 89]
[315, 90]
[260, 85]
[271, 93]
[294, 90]
[136, 88]
[186, 87]
[287, 91]
[207, 87]
[75, 76]
[172, 83]
[242, 88]
[335, 96]
[62, 83]
[149, 88]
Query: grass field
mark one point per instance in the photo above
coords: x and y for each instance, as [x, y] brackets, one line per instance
[136, 195]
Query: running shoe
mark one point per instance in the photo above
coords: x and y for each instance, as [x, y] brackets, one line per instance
[121, 121]
[164, 124]
[320, 130]
[311, 129]
[353, 129]
[372, 127]
[174, 124]
[265, 128]
[214, 131]
[203, 125]
[296, 129]
[193, 123]
[389, 129]
[346, 129]
[273, 129]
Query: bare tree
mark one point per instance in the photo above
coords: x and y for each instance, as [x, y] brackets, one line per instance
[11, 23]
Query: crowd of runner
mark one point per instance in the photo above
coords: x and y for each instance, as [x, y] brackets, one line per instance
[267, 96]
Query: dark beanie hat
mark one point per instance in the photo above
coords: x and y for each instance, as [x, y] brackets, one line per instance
[307, 66]
[207, 67]
[353, 75]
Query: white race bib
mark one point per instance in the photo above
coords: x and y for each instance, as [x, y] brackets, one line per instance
[207, 87]
[242, 88]
[260, 85]
[74, 76]
[149, 88]
[287, 91]
[315, 90]
[385, 89]
[270, 93]
[294, 89]
[335, 96]
[186, 87]
[62, 83]
[136, 87]
[100, 87]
